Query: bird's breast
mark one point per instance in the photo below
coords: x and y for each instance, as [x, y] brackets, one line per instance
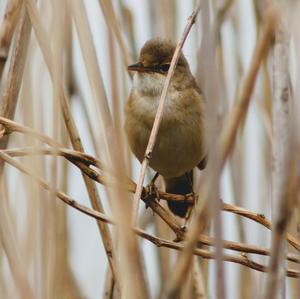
[179, 144]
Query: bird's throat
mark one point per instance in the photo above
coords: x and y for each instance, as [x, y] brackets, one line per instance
[149, 84]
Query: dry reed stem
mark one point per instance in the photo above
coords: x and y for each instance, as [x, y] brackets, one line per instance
[10, 245]
[159, 113]
[220, 18]
[275, 287]
[222, 12]
[294, 29]
[7, 29]
[214, 90]
[43, 41]
[243, 259]
[13, 81]
[129, 30]
[8, 105]
[165, 25]
[283, 170]
[198, 280]
[92, 67]
[113, 24]
[228, 134]
[88, 122]
[164, 21]
[108, 292]
[115, 79]
[164, 255]
[56, 283]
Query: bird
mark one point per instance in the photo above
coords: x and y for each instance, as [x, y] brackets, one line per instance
[180, 144]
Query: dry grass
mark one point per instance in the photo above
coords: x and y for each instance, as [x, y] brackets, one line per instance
[61, 100]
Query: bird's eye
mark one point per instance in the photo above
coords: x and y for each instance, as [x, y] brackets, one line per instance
[165, 67]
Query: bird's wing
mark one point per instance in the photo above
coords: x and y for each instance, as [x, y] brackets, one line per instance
[202, 163]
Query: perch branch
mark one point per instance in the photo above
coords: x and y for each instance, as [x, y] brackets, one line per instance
[84, 161]
[243, 259]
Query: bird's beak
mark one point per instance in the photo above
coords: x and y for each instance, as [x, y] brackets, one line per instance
[138, 67]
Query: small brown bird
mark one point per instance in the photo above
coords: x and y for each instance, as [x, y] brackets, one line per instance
[180, 142]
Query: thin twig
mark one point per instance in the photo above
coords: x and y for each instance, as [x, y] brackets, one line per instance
[259, 218]
[7, 28]
[113, 24]
[283, 170]
[243, 260]
[87, 160]
[83, 161]
[240, 109]
[12, 87]
[198, 280]
[92, 66]
[202, 239]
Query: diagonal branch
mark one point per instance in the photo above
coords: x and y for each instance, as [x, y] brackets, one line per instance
[84, 161]
[243, 259]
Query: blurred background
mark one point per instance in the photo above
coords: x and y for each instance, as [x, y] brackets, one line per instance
[58, 251]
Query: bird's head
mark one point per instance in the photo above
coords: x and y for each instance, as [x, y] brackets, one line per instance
[153, 65]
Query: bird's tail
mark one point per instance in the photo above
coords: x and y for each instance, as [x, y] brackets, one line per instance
[179, 185]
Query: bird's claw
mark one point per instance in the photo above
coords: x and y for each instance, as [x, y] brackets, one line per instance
[180, 234]
[151, 192]
[190, 208]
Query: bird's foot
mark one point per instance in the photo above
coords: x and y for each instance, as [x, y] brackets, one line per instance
[191, 198]
[188, 214]
[180, 234]
[151, 192]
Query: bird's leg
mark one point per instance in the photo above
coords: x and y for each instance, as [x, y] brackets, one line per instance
[152, 191]
[152, 187]
[154, 178]
[188, 177]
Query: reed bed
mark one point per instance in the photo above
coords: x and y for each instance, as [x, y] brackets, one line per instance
[76, 218]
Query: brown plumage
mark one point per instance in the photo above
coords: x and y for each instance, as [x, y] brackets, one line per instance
[180, 142]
